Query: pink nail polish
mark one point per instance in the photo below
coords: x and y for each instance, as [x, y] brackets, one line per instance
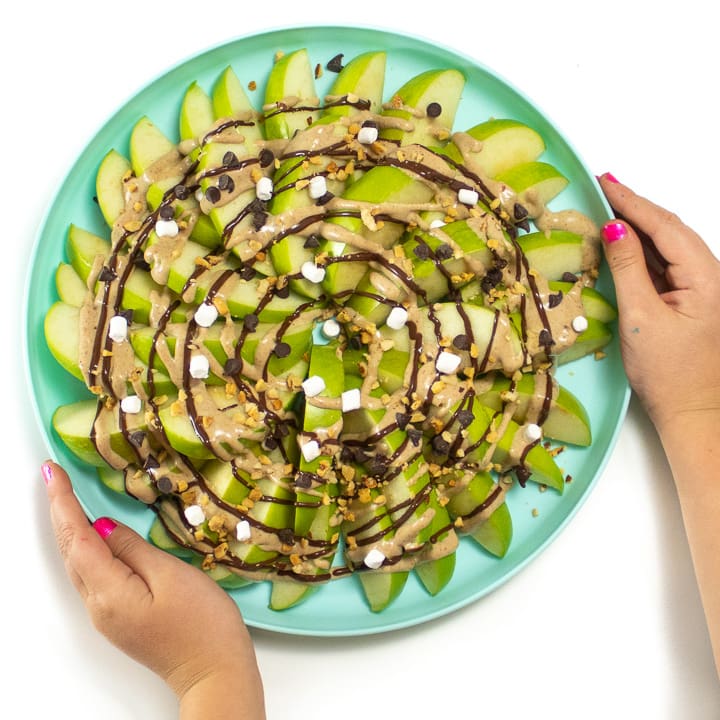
[46, 473]
[104, 526]
[613, 231]
[610, 177]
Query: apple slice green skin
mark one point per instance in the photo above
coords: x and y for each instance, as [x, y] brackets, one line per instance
[229, 100]
[597, 336]
[383, 183]
[505, 143]
[432, 86]
[595, 304]
[554, 254]
[381, 588]
[494, 533]
[567, 420]
[147, 145]
[196, 113]
[114, 169]
[69, 285]
[159, 536]
[363, 76]
[291, 76]
[534, 183]
[436, 574]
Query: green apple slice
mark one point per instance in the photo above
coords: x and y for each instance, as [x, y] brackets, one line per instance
[595, 304]
[147, 145]
[593, 340]
[83, 248]
[161, 538]
[196, 113]
[381, 589]
[426, 110]
[555, 253]
[292, 83]
[70, 287]
[364, 77]
[229, 100]
[62, 334]
[114, 169]
[502, 143]
[534, 183]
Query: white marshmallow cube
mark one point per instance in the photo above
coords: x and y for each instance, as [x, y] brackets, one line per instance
[437, 223]
[166, 228]
[264, 188]
[580, 324]
[242, 531]
[195, 515]
[397, 318]
[374, 559]
[447, 363]
[199, 367]
[350, 400]
[131, 404]
[311, 450]
[317, 187]
[206, 315]
[313, 385]
[118, 328]
[367, 135]
[310, 271]
[331, 328]
[532, 432]
[467, 196]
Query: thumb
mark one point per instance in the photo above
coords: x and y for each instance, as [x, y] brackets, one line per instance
[626, 259]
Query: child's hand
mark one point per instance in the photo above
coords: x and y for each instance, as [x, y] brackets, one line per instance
[161, 611]
[668, 291]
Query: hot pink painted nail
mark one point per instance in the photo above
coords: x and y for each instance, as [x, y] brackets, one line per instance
[613, 231]
[46, 473]
[104, 526]
[610, 177]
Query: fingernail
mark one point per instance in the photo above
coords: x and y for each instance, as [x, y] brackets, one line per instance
[610, 177]
[104, 526]
[46, 473]
[613, 231]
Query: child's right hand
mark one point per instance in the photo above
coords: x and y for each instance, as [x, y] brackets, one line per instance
[669, 312]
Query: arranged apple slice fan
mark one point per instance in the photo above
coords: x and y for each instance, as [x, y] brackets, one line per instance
[319, 338]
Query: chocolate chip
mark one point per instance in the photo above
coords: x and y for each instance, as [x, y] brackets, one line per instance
[433, 110]
[229, 158]
[569, 277]
[522, 474]
[232, 367]
[335, 64]
[141, 263]
[379, 465]
[282, 430]
[370, 124]
[461, 342]
[181, 192]
[259, 219]
[415, 436]
[247, 273]
[346, 455]
[491, 280]
[128, 315]
[212, 194]
[286, 536]
[164, 484]
[355, 343]
[283, 292]
[250, 322]
[313, 241]
[555, 300]
[282, 350]
[519, 211]
[303, 480]
[422, 251]
[545, 338]
[443, 252]
[223, 181]
[151, 462]
[107, 274]
[500, 263]
[266, 158]
[359, 455]
[464, 418]
[136, 438]
[325, 199]
[270, 443]
[402, 420]
[167, 212]
[440, 445]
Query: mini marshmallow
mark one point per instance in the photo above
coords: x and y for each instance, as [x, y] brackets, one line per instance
[166, 228]
[437, 223]
[195, 515]
[310, 271]
[467, 196]
[311, 450]
[580, 324]
[397, 318]
[199, 195]
[199, 367]
[206, 315]
[367, 135]
[242, 531]
[313, 385]
[118, 329]
[374, 559]
[331, 328]
[350, 400]
[447, 362]
[532, 432]
[264, 188]
[131, 404]
[317, 187]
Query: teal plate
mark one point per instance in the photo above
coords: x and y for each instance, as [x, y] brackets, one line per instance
[339, 608]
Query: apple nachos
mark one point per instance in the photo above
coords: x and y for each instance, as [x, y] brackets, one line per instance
[320, 337]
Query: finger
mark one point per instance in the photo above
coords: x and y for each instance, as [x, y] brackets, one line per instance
[675, 241]
[634, 285]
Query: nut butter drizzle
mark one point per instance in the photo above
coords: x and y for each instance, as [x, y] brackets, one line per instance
[418, 391]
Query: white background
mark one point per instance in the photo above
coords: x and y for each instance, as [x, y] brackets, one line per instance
[607, 621]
